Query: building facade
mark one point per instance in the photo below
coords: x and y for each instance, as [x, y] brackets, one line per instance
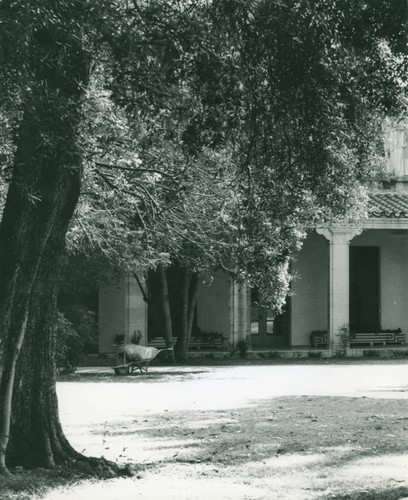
[354, 276]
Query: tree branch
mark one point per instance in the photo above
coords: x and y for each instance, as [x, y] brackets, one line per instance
[130, 169]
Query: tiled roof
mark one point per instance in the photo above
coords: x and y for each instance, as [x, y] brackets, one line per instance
[388, 205]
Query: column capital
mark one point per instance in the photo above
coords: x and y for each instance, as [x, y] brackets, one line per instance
[339, 235]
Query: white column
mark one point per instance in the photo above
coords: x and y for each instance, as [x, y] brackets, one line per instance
[240, 326]
[339, 285]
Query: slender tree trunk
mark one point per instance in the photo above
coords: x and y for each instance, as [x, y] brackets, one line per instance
[167, 334]
[6, 407]
[150, 304]
[168, 329]
[188, 296]
[193, 296]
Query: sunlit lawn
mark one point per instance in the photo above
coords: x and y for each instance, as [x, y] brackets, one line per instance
[237, 433]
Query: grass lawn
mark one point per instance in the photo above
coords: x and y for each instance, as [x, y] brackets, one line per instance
[245, 442]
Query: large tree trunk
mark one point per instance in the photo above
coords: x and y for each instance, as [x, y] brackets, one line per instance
[41, 199]
[36, 438]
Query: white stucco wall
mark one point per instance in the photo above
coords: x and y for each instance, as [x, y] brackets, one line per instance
[213, 307]
[396, 145]
[310, 290]
[393, 274]
[122, 311]
[135, 309]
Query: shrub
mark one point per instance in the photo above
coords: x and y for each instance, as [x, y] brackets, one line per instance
[119, 339]
[315, 354]
[243, 346]
[400, 353]
[136, 337]
[67, 351]
[344, 334]
[77, 334]
[269, 354]
[370, 353]
[86, 324]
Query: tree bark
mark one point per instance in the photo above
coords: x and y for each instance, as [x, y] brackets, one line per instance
[193, 296]
[41, 199]
[149, 302]
[42, 196]
[6, 400]
[36, 438]
[189, 293]
[168, 329]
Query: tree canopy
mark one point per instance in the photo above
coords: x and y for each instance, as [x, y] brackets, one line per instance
[290, 97]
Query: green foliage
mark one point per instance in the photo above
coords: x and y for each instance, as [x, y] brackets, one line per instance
[213, 135]
[339, 354]
[67, 353]
[136, 337]
[243, 345]
[269, 354]
[399, 353]
[315, 354]
[299, 94]
[77, 334]
[119, 339]
[240, 126]
[371, 353]
[344, 335]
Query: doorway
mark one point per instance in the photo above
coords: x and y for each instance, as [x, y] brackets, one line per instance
[365, 289]
[268, 329]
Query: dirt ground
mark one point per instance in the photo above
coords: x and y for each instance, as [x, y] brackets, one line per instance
[300, 431]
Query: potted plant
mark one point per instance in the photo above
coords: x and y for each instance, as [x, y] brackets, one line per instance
[243, 346]
[344, 334]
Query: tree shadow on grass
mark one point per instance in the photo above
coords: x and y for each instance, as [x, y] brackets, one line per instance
[300, 437]
[136, 377]
[282, 425]
[313, 441]
[24, 484]
[396, 493]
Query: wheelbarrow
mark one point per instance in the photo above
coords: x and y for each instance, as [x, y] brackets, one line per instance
[138, 357]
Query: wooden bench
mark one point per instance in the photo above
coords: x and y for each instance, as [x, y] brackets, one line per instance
[319, 338]
[384, 338]
[159, 342]
[205, 342]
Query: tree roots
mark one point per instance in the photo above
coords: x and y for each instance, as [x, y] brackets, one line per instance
[101, 468]
[4, 471]
[83, 466]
